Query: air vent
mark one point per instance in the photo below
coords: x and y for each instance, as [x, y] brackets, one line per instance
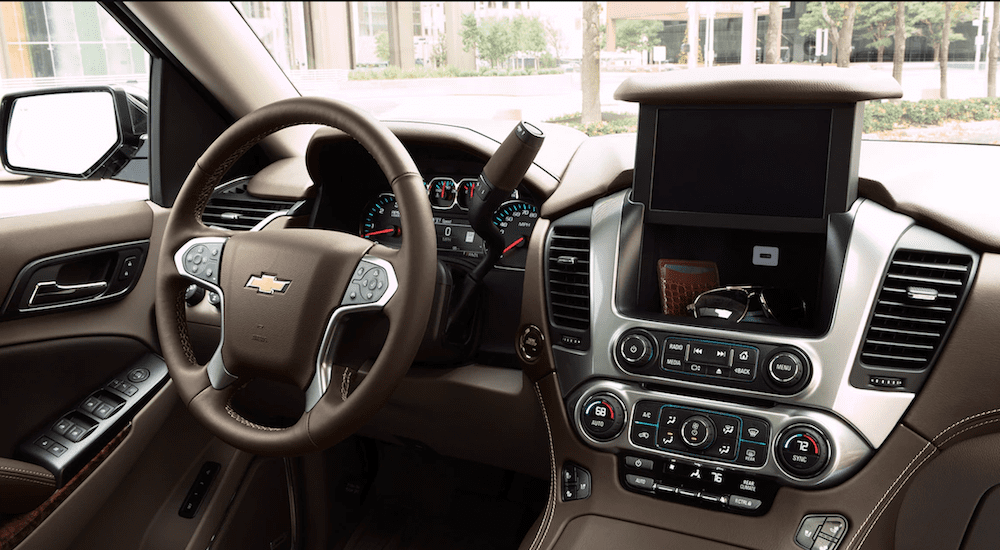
[569, 277]
[915, 309]
[231, 207]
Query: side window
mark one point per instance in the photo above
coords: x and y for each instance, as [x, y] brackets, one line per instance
[45, 45]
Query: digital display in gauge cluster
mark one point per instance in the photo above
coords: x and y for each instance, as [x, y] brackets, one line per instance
[449, 199]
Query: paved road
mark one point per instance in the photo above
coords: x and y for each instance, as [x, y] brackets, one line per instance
[548, 96]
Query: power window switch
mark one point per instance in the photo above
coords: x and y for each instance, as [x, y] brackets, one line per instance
[115, 384]
[62, 426]
[90, 404]
[56, 449]
[44, 443]
[76, 433]
[128, 389]
[104, 410]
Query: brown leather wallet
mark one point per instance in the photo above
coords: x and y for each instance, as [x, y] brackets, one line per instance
[681, 281]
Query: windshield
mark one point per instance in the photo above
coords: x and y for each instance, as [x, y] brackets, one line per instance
[524, 60]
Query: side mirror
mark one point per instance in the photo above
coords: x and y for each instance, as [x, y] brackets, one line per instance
[82, 133]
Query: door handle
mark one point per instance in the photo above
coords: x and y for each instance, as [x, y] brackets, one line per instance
[51, 292]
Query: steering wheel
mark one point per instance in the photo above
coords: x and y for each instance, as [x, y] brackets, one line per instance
[283, 292]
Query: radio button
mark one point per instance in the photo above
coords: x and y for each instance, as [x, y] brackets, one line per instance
[672, 363]
[674, 347]
[742, 372]
[710, 353]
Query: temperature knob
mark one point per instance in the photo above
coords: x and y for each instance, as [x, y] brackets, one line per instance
[803, 450]
[602, 416]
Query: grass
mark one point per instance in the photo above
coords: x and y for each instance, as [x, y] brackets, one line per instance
[611, 123]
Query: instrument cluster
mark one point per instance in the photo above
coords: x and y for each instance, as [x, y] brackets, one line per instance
[449, 200]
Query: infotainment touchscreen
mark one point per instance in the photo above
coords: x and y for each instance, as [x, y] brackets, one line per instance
[747, 166]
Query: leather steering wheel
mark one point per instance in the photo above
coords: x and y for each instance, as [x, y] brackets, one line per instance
[284, 291]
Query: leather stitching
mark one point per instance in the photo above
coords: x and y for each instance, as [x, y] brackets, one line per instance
[208, 187]
[962, 421]
[182, 331]
[543, 528]
[886, 494]
[48, 483]
[239, 418]
[972, 427]
[11, 470]
[345, 385]
[896, 492]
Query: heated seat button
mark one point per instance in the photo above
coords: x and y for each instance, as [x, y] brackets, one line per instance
[808, 530]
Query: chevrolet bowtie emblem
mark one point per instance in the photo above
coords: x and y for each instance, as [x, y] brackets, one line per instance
[267, 284]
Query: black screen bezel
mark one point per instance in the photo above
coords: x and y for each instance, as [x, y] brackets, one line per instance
[841, 177]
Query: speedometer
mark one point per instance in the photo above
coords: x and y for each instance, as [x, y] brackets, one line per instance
[516, 220]
[381, 222]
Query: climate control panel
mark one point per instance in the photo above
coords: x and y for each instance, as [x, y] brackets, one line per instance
[754, 366]
[702, 433]
[785, 444]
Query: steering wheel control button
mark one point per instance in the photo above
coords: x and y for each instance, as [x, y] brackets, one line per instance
[603, 417]
[636, 349]
[576, 483]
[698, 432]
[803, 451]
[202, 261]
[785, 369]
[368, 287]
[530, 343]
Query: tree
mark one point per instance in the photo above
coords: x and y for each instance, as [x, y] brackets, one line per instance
[439, 54]
[493, 39]
[842, 31]
[772, 42]
[638, 35]
[382, 46]
[945, 42]
[590, 68]
[993, 52]
[682, 59]
[927, 19]
[876, 25]
[554, 38]
[529, 35]
[832, 16]
[899, 51]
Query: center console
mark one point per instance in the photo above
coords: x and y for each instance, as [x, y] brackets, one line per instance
[712, 325]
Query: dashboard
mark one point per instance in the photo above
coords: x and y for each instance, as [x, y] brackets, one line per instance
[686, 415]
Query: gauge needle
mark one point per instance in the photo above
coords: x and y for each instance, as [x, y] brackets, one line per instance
[381, 232]
[513, 244]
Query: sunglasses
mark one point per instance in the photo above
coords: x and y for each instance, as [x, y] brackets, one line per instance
[751, 304]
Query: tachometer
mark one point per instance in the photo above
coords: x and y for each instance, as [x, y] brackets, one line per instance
[515, 219]
[442, 192]
[381, 221]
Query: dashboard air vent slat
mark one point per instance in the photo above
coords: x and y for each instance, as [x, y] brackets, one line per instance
[231, 207]
[569, 277]
[915, 308]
